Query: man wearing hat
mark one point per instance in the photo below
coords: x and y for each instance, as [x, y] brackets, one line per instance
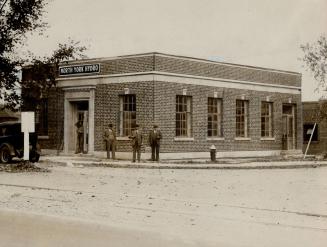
[137, 139]
[154, 142]
[110, 139]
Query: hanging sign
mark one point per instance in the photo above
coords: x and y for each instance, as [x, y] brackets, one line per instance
[79, 69]
[27, 126]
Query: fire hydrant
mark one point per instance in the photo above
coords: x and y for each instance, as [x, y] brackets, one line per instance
[213, 153]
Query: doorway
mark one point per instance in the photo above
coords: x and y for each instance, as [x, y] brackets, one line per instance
[289, 135]
[79, 112]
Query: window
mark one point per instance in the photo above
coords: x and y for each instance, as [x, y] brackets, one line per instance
[127, 114]
[41, 117]
[307, 131]
[266, 119]
[183, 116]
[242, 114]
[214, 117]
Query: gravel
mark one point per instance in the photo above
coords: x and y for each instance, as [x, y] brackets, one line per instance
[21, 166]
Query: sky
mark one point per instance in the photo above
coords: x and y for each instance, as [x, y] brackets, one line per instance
[265, 33]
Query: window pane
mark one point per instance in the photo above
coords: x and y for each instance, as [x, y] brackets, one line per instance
[266, 119]
[214, 118]
[128, 120]
[241, 117]
[183, 115]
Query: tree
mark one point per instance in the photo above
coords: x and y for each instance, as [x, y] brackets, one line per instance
[17, 19]
[315, 59]
[40, 75]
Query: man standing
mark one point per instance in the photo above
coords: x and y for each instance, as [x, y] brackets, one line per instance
[80, 137]
[110, 139]
[154, 142]
[137, 139]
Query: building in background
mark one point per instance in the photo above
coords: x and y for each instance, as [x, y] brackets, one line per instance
[242, 110]
[311, 116]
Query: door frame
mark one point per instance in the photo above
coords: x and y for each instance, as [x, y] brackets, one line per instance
[72, 95]
[290, 142]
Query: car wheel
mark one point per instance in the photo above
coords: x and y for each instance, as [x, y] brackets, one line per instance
[34, 157]
[5, 156]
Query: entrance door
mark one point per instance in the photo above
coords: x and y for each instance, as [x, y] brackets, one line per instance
[288, 127]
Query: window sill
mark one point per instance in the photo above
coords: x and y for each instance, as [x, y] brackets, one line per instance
[43, 137]
[184, 139]
[242, 139]
[267, 138]
[122, 138]
[215, 138]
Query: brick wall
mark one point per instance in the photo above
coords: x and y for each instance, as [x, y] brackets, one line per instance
[128, 65]
[165, 98]
[196, 67]
[156, 104]
[55, 120]
[107, 110]
[217, 70]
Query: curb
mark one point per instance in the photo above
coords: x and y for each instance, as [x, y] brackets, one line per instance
[200, 166]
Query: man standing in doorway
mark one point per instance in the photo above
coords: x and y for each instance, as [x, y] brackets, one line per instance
[137, 139]
[110, 139]
[80, 137]
[154, 142]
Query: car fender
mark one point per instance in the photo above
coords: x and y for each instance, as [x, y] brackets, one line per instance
[11, 148]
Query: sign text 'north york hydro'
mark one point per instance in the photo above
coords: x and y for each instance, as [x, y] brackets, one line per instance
[79, 69]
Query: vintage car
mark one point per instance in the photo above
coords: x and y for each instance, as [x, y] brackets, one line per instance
[12, 143]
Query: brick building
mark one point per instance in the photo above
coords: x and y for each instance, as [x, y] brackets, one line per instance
[242, 110]
[312, 116]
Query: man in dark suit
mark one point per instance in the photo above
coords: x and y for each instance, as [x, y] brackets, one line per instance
[137, 139]
[154, 142]
[110, 139]
[80, 137]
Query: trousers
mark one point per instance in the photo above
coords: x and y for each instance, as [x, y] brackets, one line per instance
[80, 143]
[155, 148]
[137, 149]
[110, 145]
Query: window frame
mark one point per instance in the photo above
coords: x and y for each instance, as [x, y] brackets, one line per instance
[242, 113]
[214, 117]
[183, 116]
[127, 114]
[266, 118]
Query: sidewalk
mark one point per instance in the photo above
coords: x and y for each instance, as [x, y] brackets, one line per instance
[232, 163]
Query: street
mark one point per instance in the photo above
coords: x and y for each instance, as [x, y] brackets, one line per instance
[270, 207]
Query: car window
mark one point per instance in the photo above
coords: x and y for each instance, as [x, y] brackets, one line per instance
[9, 130]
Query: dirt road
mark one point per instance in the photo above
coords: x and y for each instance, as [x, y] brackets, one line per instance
[195, 207]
